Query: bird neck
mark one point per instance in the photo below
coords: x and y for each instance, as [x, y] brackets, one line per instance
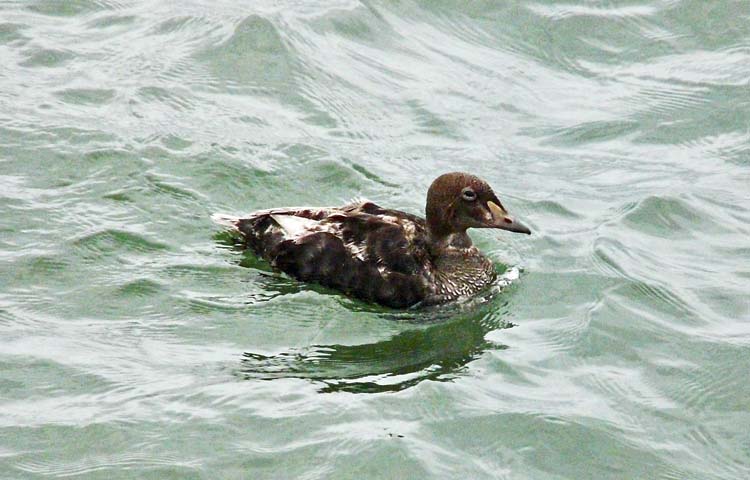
[442, 241]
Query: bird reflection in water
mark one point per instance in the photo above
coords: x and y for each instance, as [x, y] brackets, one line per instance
[438, 351]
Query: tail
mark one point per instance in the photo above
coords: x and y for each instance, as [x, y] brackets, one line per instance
[226, 220]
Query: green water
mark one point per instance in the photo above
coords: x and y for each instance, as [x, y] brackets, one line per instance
[137, 342]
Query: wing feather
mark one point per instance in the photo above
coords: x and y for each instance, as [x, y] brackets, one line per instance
[363, 249]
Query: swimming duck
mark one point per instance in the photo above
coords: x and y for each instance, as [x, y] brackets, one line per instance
[380, 255]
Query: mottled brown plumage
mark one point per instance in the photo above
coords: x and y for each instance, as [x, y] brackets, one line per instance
[381, 255]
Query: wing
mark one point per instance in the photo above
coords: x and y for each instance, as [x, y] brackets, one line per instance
[323, 257]
[262, 230]
[390, 239]
[367, 251]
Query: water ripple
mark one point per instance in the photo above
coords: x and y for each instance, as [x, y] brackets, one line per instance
[129, 328]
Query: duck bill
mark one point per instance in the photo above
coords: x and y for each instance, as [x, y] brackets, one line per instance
[503, 221]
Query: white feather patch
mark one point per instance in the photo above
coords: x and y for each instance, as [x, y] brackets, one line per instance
[355, 250]
[295, 227]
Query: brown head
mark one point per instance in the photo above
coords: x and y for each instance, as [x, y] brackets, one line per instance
[458, 201]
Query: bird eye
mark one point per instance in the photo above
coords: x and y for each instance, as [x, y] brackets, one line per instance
[468, 194]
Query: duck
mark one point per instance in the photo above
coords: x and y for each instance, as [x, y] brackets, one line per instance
[381, 255]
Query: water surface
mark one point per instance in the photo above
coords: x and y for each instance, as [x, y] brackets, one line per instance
[137, 342]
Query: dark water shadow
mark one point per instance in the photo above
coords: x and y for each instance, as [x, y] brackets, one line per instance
[437, 351]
